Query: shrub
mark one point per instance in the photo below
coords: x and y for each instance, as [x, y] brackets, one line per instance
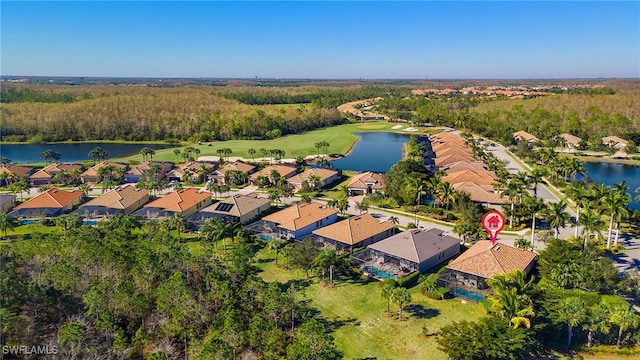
[409, 280]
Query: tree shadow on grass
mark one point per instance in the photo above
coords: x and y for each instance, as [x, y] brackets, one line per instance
[331, 325]
[421, 312]
[299, 284]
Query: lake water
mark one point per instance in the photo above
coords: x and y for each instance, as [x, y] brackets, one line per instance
[611, 174]
[375, 151]
[28, 153]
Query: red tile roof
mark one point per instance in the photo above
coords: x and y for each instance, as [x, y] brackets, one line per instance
[179, 201]
[299, 216]
[52, 198]
[488, 260]
[354, 229]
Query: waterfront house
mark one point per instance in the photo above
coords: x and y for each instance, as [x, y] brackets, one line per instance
[122, 200]
[324, 177]
[484, 194]
[91, 174]
[481, 177]
[50, 203]
[150, 170]
[300, 220]
[615, 142]
[185, 202]
[219, 175]
[235, 209]
[7, 202]
[284, 171]
[523, 135]
[571, 141]
[45, 175]
[192, 171]
[13, 173]
[366, 183]
[356, 231]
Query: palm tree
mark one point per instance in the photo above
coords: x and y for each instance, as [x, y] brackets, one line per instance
[625, 318]
[362, 206]
[513, 191]
[342, 205]
[276, 246]
[394, 220]
[597, 321]
[572, 312]
[592, 223]
[177, 222]
[446, 194]
[177, 153]
[7, 222]
[557, 216]
[580, 197]
[305, 198]
[535, 206]
[387, 291]
[621, 210]
[97, 153]
[314, 181]
[535, 178]
[67, 221]
[401, 297]
[327, 258]
[264, 153]
[252, 153]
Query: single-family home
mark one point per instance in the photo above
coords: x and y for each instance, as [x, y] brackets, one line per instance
[219, 175]
[523, 135]
[615, 142]
[301, 219]
[7, 201]
[192, 171]
[356, 231]
[484, 194]
[482, 177]
[45, 175]
[323, 177]
[466, 276]
[284, 171]
[185, 202]
[571, 141]
[453, 158]
[151, 170]
[12, 173]
[407, 252]
[123, 199]
[235, 209]
[114, 170]
[366, 183]
[50, 203]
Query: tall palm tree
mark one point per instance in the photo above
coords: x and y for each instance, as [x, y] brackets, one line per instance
[571, 311]
[513, 191]
[622, 210]
[625, 318]
[535, 207]
[342, 205]
[580, 196]
[597, 321]
[177, 222]
[557, 216]
[387, 291]
[7, 222]
[327, 259]
[252, 153]
[446, 194]
[592, 225]
[394, 220]
[535, 177]
[276, 246]
[401, 297]
[177, 153]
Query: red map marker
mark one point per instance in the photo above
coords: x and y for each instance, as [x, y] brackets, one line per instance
[493, 223]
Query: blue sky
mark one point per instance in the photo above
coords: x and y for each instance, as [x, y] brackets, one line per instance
[407, 40]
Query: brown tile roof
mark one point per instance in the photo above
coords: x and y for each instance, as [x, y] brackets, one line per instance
[240, 205]
[299, 216]
[449, 159]
[488, 260]
[93, 171]
[525, 136]
[140, 169]
[285, 171]
[52, 198]
[194, 166]
[237, 165]
[481, 177]
[617, 142]
[570, 139]
[480, 193]
[453, 150]
[354, 229]
[465, 165]
[119, 198]
[416, 245]
[323, 173]
[52, 169]
[366, 179]
[179, 201]
[16, 169]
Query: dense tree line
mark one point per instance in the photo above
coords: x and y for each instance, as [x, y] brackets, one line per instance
[15, 95]
[112, 292]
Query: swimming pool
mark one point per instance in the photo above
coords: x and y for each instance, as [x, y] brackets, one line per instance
[266, 237]
[380, 274]
[466, 294]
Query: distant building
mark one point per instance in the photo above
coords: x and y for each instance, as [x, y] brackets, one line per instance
[326, 177]
[192, 171]
[572, 141]
[523, 135]
[13, 173]
[615, 142]
[284, 171]
[220, 174]
[140, 171]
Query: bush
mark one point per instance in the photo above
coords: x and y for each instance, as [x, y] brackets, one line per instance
[409, 280]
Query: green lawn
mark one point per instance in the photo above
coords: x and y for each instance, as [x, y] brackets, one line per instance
[340, 139]
[355, 310]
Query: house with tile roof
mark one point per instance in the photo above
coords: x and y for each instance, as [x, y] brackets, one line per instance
[45, 175]
[219, 175]
[615, 142]
[523, 135]
[453, 158]
[123, 199]
[7, 201]
[50, 203]
[326, 177]
[185, 202]
[484, 194]
[483, 261]
[301, 219]
[283, 170]
[238, 208]
[571, 141]
[12, 173]
[407, 252]
[138, 172]
[91, 174]
[366, 183]
[356, 231]
[197, 171]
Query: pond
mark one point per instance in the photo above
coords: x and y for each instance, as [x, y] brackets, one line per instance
[69, 152]
[375, 151]
[611, 174]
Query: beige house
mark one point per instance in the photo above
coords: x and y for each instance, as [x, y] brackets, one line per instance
[45, 175]
[285, 171]
[615, 142]
[523, 135]
[366, 183]
[220, 174]
[122, 200]
[192, 171]
[185, 202]
[356, 231]
[12, 173]
[236, 208]
[300, 220]
[572, 141]
[138, 172]
[91, 174]
[50, 203]
[325, 177]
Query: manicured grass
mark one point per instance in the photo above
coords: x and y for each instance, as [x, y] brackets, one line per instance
[340, 139]
[356, 312]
